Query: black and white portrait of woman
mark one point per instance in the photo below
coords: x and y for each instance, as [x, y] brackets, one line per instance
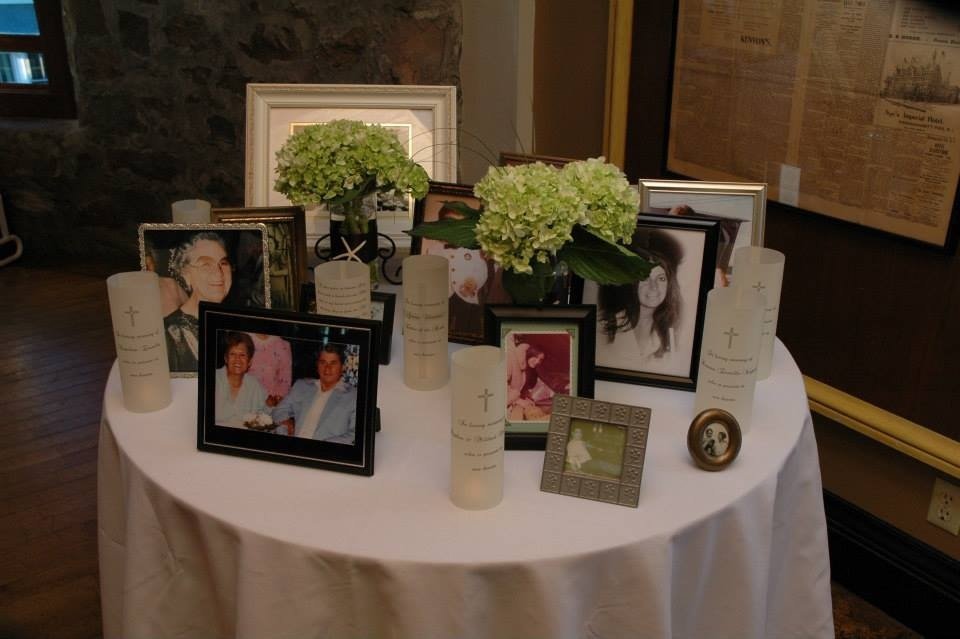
[649, 326]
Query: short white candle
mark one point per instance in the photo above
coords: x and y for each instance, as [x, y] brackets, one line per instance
[477, 408]
[343, 289]
[191, 212]
[426, 288]
[762, 270]
[139, 337]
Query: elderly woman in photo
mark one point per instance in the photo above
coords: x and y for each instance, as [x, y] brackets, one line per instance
[238, 395]
[201, 266]
[638, 322]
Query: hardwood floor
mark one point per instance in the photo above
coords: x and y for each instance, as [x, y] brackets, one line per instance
[57, 352]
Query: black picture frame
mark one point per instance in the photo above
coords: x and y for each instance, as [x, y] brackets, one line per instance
[161, 250]
[467, 299]
[380, 302]
[670, 240]
[235, 432]
[543, 328]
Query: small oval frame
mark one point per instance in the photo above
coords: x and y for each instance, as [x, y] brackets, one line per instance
[694, 436]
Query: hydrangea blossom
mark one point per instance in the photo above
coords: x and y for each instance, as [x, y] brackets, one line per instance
[611, 203]
[528, 214]
[529, 210]
[345, 159]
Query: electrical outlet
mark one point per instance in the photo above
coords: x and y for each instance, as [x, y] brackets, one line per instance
[945, 507]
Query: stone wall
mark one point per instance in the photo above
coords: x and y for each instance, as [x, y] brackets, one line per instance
[160, 90]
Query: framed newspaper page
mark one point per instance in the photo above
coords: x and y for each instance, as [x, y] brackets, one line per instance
[848, 110]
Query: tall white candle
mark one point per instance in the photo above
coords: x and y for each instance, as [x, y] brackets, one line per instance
[191, 212]
[426, 287]
[727, 375]
[477, 409]
[762, 270]
[343, 289]
[139, 338]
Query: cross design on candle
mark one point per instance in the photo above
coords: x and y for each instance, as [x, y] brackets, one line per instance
[131, 312]
[350, 254]
[485, 396]
[759, 287]
[731, 334]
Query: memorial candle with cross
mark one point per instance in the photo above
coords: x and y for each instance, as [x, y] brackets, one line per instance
[477, 409]
[730, 351]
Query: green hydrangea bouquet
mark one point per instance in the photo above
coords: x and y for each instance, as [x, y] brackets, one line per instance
[341, 162]
[534, 216]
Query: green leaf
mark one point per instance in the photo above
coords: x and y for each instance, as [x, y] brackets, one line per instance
[529, 288]
[456, 232]
[594, 258]
[356, 192]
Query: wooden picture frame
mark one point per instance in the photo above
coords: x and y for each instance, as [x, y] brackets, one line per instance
[668, 354]
[334, 354]
[382, 309]
[475, 280]
[168, 249]
[596, 450]
[561, 340]
[714, 439]
[427, 116]
[509, 158]
[287, 245]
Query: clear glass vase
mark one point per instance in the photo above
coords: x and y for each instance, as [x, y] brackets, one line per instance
[353, 229]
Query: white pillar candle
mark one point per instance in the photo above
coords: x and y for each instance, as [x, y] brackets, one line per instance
[426, 287]
[727, 375]
[478, 403]
[191, 212]
[139, 338]
[762, 270]
[343, 289]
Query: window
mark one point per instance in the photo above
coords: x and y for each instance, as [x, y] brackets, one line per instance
[34, 75]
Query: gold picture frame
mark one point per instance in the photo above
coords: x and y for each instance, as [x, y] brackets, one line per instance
[714, 439]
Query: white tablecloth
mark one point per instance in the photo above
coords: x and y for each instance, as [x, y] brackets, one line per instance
[197, 544]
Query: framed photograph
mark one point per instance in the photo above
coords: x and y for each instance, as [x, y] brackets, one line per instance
[508, 158]
[218, 263]
[382, 307]
[595, 450]
[323, 413]
[741, 209]
[649, 332]
[424, 118]
[286, 244]
[714, 439]
[548, 351]
[474, 279]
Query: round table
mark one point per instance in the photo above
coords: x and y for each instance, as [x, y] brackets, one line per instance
[196, 544]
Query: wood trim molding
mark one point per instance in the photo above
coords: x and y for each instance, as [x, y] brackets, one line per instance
[619, 43]
[909, 438]
[909, 580]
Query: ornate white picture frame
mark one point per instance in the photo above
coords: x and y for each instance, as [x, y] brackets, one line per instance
[427, 115]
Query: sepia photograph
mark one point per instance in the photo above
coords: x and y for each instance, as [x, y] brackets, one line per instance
[649, 331]
[595, 449]
[548, 351]
[217, 263]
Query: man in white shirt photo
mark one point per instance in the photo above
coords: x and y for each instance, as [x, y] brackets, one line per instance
[322, 409]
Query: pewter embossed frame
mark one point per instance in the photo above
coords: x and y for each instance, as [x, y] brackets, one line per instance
[555, 479]
[197, 228]
[291, 217]
[271, 108]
